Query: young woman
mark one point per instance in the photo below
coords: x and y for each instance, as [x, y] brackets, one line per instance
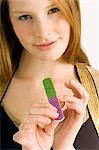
[41, 39]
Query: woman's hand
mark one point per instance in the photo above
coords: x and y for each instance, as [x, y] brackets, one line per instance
[31, 135]
[74, 114]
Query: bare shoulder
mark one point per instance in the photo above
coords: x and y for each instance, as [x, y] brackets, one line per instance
[95, 74]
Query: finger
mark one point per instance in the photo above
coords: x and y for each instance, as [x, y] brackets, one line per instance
[25, 126]
[75, 101]
[78, 90]
[77, 107]
[44, 105]
[50, 129]
[71, 99]
[17, 137]
[24, 138]
[51, 113]
[34, 121]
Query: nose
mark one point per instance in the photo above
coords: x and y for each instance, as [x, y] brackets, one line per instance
[43, 28]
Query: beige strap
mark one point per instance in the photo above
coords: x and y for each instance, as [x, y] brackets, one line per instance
[88, 82]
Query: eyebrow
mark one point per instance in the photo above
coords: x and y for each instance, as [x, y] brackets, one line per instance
[24, 11]
[19, 11]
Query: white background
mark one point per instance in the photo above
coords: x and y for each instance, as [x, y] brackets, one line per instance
[90, 30]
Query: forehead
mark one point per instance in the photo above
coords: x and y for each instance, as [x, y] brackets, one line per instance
[29, 4]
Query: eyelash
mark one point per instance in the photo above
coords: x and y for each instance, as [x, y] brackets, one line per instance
[24, 17]
[28, 17]
[53, 10]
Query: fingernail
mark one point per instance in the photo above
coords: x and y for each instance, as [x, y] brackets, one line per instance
[57, 115]
[72, 81]
[27, 126]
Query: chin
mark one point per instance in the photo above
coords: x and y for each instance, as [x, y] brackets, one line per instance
[52, 58]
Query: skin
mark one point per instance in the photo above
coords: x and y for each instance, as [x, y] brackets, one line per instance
[31, 135]
[40, 25]
[45, 138]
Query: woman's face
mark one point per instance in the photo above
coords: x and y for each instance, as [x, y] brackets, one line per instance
[41, 27]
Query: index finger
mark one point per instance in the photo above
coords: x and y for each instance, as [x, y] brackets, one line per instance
[78, 90]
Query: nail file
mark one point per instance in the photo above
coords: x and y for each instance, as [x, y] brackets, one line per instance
[52, 98]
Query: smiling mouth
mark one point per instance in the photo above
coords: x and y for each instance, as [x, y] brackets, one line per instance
[46, 46]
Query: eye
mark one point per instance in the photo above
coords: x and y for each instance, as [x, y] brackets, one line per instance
[53, 10]
[25, 17]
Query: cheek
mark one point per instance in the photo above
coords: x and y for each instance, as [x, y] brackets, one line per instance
[66, 33]
[22, 34]
[20, 31]
[65, 28]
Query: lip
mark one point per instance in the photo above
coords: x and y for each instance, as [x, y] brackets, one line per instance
[46, 46]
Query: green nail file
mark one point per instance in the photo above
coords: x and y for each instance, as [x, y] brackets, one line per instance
[52, 98]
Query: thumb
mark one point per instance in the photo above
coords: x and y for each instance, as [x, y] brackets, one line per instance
[49, 129]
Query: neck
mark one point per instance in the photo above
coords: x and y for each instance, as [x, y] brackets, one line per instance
[30, 67]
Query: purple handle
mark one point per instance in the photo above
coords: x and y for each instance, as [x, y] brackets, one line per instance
[54, 101]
